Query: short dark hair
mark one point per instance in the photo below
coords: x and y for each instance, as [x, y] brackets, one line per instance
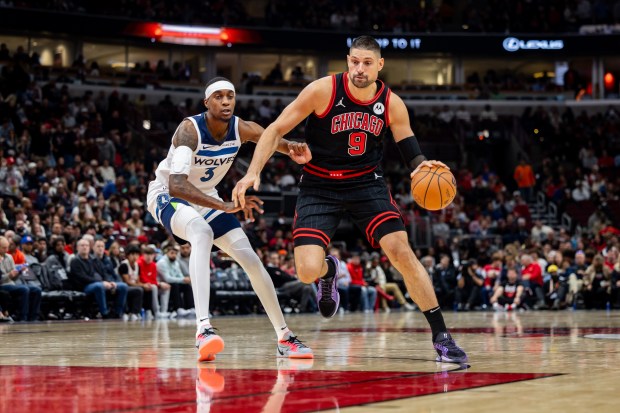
[366, 43]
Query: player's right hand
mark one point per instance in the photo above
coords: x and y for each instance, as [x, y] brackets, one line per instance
[429, 164]
[247, 182]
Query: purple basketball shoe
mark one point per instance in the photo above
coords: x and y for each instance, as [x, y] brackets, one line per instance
[327, 297]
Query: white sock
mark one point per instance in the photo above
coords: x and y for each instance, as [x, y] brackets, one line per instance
[242, 252]
[200, 235]
[202, 325]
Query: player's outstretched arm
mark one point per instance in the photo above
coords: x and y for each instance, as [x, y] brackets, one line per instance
[313, 97]
[185, 142]
[298, 151]
[405, 139]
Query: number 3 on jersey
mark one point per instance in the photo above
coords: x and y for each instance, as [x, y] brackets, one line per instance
[357, 143]
[208, 174]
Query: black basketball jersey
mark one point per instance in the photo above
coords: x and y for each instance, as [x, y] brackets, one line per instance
[346, 140]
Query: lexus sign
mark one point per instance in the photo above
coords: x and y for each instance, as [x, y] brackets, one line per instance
[512, 44]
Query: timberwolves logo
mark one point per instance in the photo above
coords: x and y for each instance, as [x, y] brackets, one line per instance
[378, 108]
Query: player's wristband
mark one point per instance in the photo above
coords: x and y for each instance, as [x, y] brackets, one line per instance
[410, 151]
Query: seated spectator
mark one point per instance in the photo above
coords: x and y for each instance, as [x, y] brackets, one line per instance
[59, 258]
[576, 274]
[18, 257]
[359, 290]
[444, 280]
[531, 277]
[130, 273]
[304, 294]
[28, 296]
[491, 273]
[597, 284]
[169, 270]
[468, 285]
[85, 277]
[105, 266]
[27, 246]
[556, 288]
[508, 294]
[159, 290]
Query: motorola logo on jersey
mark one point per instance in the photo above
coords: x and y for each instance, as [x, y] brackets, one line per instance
[213, 161]
[512, 44]
[357, 120]
[378, 108]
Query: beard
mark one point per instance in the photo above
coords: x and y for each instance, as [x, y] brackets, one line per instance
[361, 84]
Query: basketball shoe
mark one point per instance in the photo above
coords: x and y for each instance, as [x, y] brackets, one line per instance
[327, 296]
[291, 347]
[447, 350]
[208, 344]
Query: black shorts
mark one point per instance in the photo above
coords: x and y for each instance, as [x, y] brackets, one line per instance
[319, 210]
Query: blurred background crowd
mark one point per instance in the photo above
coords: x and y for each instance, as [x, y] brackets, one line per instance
[534, 226]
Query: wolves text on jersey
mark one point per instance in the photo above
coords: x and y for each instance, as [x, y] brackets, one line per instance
[200, 161]
[357, 120]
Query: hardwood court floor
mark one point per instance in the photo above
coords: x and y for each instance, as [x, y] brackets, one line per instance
[519, 362]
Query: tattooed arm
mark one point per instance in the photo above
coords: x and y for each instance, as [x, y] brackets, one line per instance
[180, 187]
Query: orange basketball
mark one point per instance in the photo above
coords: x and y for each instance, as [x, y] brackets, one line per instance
[433, 188]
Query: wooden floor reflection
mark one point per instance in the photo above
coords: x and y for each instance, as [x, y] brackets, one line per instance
[527, 362]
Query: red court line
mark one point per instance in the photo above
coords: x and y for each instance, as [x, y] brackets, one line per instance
[30, 389]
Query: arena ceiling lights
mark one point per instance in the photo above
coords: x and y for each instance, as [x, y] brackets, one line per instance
[193, 35]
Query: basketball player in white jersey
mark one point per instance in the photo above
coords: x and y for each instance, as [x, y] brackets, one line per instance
[183, 199]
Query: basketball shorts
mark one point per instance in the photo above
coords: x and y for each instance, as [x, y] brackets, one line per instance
[164, 207]
[319, 210]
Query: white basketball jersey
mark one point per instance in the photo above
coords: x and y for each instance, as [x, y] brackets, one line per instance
[210, 161]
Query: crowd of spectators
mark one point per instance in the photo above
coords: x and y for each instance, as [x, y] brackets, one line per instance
[500, 16]
[74, 170]
[488, 85]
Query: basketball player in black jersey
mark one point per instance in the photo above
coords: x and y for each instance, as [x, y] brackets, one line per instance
[348, 115]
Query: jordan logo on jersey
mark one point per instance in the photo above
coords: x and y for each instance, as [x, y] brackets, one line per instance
[340, 103]
[357, 120]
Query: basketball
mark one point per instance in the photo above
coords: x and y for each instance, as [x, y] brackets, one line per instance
[433, 188]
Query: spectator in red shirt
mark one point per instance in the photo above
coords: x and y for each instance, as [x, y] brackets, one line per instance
[359, 290]
[531, 275]
[612, 257]
[491, 274]
[160, 291]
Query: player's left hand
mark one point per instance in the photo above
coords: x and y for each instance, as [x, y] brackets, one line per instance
[428, 163]
[299, 152]
[252, 203]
